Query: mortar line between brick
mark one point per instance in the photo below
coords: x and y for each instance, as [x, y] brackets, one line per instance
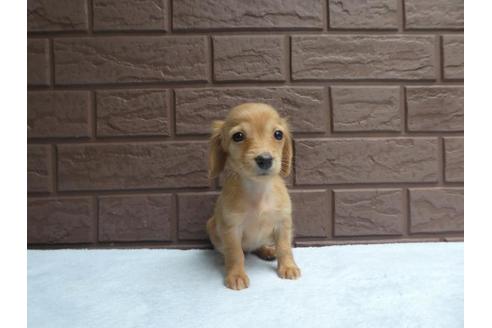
[176, 218]
[95, 201]
[251, 31]
[243, 84]
[401, 15]
[127, 245]
[403, 113]
[405, 110]
[440, 160]
[373, 185]
[407, 212]
[331, 193]
[54, 169]
[439, 60]
[90, 14]
[326, 20]
[288, 58]
[93, 116]
[445, 182]
[189, 243]
[52, 63]
[210, 66]
[330, 111]
[172, 113]
[404, 210]
[202, 244]
[169, 16]
[441, 56]
[268, 31]
[361, 239]
[208, 189]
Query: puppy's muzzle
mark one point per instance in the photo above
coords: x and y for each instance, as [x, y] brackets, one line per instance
[264, 161]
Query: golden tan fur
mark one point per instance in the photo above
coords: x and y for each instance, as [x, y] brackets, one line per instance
[253, 212]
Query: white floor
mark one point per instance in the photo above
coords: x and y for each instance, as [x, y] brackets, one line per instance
[392, 285]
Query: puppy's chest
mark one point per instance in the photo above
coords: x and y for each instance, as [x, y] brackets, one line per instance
[259, 222]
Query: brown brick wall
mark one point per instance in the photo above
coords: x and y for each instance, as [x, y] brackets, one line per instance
[121, 94]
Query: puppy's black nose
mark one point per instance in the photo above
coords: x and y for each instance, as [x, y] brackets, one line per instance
[264, 161]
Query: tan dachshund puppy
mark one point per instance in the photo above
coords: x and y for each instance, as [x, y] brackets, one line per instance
[253, 147]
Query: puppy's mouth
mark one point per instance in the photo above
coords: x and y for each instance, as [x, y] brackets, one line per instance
[264, 172]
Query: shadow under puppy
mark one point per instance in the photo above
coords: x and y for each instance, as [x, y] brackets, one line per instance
[253, 147]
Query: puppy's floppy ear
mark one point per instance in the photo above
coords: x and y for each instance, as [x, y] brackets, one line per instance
[286, 151]
[217, 155]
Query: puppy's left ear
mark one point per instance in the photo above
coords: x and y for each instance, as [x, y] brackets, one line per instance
[286, 151]
[216, 155]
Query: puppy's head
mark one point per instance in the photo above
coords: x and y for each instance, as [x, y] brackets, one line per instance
[253, 140]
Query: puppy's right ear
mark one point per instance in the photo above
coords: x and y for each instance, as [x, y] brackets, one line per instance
[217, 155]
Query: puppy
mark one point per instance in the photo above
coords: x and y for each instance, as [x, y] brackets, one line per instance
[253, 147]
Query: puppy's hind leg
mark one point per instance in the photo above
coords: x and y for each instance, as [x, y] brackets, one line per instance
[266, 252]
[212, 234]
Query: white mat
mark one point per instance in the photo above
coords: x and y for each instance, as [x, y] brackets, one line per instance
[392, 285]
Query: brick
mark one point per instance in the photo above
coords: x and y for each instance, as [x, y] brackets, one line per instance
[305, 106]
[368, 212]
[436, 210]
[128, 15]
[435, 108]
[60, 114]
[453, 59]
[367, 160]
[355, 57]
[366, 108]
[454, 159]
[356, 14]
[249, 58]
[132, 166]
[38, 62]
[424, 14]
[38, 168]
[311, 213]
[51, 16]
[130, 59]
[133, 113]
[135, 218]
[60, 220]
[194, 211]
[253, 14]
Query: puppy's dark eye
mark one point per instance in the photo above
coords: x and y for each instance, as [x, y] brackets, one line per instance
[238, 136]
[278, 135]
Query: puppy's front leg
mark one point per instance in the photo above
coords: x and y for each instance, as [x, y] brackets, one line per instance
[236, 277]
[287, 267]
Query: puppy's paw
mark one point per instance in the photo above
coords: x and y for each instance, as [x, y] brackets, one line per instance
[289, 272]
[237, 281]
